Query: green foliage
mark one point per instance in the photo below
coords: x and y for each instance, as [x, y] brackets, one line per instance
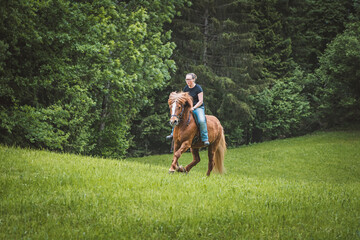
[339, 77]
[272, 47]
[150, 127]
[252, 59]
[312, 24]
[42, 128]
[214, 40]
[282, 110]
[92, 77]
[74, 74]
[299, 188]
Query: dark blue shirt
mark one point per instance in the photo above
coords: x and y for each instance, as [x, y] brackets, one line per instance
[193, 92]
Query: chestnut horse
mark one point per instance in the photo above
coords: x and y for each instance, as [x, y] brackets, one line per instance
[186, 130]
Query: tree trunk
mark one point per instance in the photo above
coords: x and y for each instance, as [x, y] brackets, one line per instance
[104, 113]
[206, 34]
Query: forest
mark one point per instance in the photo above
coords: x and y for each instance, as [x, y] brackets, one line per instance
[93, 77]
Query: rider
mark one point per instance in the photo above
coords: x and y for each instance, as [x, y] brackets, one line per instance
[197, 94]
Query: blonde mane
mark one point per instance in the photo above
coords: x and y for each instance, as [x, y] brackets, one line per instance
[181, 97]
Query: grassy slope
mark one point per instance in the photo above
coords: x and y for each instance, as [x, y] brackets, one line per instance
[300, 188]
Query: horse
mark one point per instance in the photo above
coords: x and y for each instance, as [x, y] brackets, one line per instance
[186, 132]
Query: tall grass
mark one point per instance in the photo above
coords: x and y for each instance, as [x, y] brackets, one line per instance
[300, 188]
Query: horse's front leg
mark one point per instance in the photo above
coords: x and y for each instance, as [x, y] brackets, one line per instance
[177, 154]
[196, 159]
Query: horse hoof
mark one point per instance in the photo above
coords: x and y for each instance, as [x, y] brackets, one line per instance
[181, 169]
[171, 171]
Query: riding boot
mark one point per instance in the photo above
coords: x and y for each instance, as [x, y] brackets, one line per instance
[170, 137]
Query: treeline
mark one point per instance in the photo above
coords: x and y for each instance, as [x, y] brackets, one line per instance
[75, 73]
[269, 69]
[93, 77]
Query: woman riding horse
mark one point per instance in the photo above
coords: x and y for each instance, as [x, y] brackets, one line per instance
[185, 130]
[197, 94]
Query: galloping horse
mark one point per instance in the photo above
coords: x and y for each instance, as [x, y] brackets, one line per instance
[186, 130]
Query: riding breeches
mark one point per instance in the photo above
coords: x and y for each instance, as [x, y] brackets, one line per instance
[199, 114]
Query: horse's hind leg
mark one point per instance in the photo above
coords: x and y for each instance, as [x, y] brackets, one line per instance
[211, 153]
[196, 159]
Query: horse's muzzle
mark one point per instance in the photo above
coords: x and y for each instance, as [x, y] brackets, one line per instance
[174, 121]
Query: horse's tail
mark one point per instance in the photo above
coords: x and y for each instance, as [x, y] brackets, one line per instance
[220, 154]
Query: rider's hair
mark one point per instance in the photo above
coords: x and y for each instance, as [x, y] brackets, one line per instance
[193, 75]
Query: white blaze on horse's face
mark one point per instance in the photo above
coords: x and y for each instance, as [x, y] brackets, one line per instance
[174, 120]
[173, 108]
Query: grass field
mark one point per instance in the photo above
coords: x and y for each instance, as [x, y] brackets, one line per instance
[299, 188]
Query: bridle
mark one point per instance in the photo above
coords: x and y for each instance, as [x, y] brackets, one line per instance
[179, 115]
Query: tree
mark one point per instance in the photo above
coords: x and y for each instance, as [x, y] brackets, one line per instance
[339, 77]
[43, 84]
[273, 47]
[311, 25]
[282, 110]
[73, 74]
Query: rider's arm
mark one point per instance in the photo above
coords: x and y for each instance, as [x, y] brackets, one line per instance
[201, 99]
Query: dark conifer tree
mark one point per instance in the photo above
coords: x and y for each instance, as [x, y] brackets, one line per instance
[214, 40]
[312, 24]
[272, 47]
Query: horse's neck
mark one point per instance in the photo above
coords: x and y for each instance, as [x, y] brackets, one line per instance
[185, 118]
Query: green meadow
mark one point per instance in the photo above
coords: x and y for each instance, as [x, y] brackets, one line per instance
[299, 188]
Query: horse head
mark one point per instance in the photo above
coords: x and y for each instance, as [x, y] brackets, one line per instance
[179, 104]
